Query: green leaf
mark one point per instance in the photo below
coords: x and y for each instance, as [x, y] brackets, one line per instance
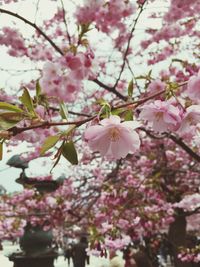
[11, 116]
[63, 111]
[1, 151]
[56, 162]
[128, 115]
[149, 74]
[130, 88]
[106, 110]
[27, 101]
[49, 143]
[10, 107]
[101, 102]
[69, 152]
[38, 92]
[9, 119]
[68, 131]
[38, 89]
[4, 125]
[117, 111]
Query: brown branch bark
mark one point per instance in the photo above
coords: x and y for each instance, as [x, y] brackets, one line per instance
[176, 140]
[46, 124]
[185, 147]
[110, 89]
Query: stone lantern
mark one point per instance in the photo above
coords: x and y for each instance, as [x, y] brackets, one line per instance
[36, 244]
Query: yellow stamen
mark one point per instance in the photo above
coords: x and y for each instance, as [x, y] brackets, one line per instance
[114, 134]
[158, 116]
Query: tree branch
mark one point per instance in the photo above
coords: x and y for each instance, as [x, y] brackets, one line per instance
[110, 89]
[176, 140]
[187, 149]
[189, 213]
[16, 130]
[46, 124]
[140, 102]
[65, 21]
[34, 26]
[128, 45]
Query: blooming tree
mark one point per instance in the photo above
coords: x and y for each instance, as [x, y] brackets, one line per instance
[118, 98]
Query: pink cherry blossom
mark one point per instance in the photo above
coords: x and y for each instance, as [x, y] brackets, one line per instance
[118, 243]
[113, 138]
[63, 79]
[189, 202]
[106, 16]
[161, 115]
[156, 86]
[13, 39]
[193, 88]
[190, 119]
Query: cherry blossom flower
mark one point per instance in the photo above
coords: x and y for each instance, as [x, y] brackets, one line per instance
[156, 86]
[189, 202]
[161, 115]
[13, 39]
[193, 87]
[113, 138]
[190, 119]
[63, 79]
[118, 243]
[106, 16]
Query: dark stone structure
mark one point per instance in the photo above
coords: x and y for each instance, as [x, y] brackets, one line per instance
[36, 244]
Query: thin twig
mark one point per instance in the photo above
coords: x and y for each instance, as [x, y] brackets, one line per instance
[176, 140]
[65, 21]
[47, 124]
[34, 26]
[187, 149]
[128, 44]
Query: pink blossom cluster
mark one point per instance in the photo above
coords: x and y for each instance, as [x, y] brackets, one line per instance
[189, 202]
[165, 53]
[11, 228]
[106, 15]
[190, 256]
[155, 86]
[180, 9]
[161, 115]
[118, 243]
[63, 79]
[168, 116]
[156, 214]
[29, 205]
[193, 87]
[4, 97]
[36, 137]
[40, 52]
[193, 222]
[12, 39]
[190, 120]
[168, 32]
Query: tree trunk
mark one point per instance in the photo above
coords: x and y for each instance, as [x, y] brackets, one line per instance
[177, 237]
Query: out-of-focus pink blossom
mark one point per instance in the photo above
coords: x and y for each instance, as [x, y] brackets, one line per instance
[118, 243]
[161, 115]
[63, 79]
[190, 119]
[156, 86]
[193, 87]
